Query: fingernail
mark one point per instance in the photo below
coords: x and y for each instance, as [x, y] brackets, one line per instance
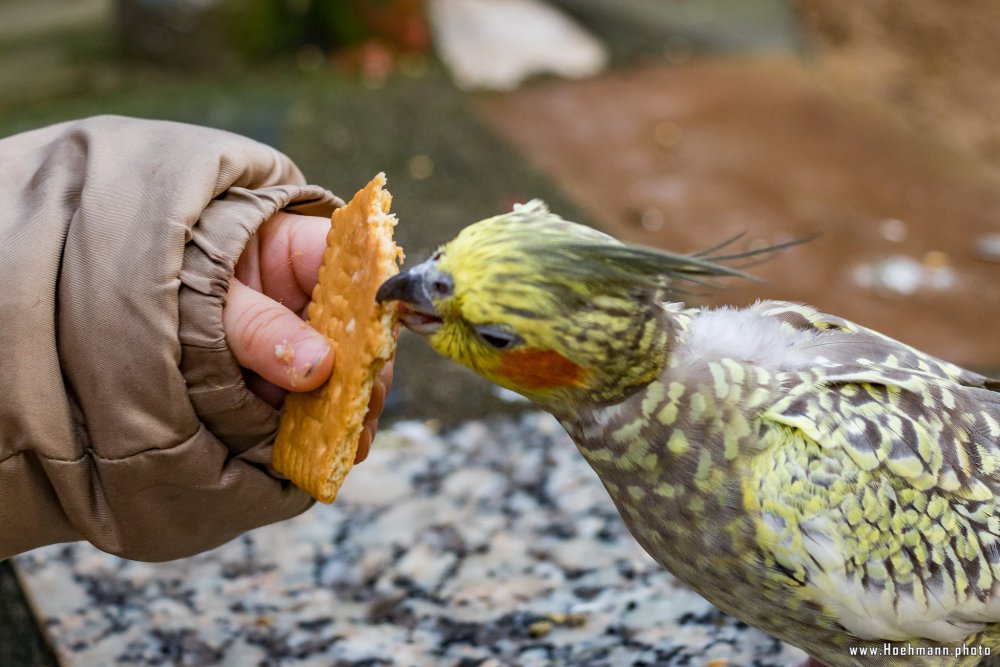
[310, 353]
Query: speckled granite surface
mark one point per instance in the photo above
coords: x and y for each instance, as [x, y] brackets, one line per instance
[442, 550]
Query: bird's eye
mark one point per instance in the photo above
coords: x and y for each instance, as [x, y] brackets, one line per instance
[498, 337]
[443, 286]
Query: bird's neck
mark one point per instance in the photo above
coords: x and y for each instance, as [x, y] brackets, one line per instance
[686, 427]
[637, 355]
[671, 451]
[632, 359]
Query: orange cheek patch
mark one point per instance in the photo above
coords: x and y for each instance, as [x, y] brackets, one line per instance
[539, 369]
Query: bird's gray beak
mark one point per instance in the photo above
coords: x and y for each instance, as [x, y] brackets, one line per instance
[406, 287]
[410, 289]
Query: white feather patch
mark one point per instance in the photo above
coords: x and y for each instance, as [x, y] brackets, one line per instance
[749, 335]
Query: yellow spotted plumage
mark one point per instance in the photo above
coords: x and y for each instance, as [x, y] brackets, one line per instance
[807, 475]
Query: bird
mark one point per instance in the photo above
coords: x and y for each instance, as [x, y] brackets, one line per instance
[813, 478]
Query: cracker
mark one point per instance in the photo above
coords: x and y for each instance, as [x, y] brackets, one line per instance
[318, 437]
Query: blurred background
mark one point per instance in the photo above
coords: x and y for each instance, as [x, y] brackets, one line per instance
[874, 124]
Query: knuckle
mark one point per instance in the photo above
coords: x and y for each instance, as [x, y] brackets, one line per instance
[258, 325]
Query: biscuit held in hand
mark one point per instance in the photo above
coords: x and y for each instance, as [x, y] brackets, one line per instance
[319, 431]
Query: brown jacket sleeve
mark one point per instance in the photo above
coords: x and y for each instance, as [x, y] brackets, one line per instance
[123, 416]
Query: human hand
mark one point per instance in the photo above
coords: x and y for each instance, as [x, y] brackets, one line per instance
[263, 315]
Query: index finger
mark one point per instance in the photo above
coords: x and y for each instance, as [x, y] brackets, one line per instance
[291, 251]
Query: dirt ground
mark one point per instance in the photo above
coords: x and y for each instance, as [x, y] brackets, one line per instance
[933, 62]
[686, 156]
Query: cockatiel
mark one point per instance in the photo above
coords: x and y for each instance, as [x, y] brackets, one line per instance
[813, 478]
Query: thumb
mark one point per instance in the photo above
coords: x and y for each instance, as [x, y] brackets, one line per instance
[274, 342]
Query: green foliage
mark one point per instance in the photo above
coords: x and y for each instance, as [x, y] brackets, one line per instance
[268, 27]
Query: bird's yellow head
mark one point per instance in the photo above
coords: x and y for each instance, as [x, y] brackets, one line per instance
[553, 310]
